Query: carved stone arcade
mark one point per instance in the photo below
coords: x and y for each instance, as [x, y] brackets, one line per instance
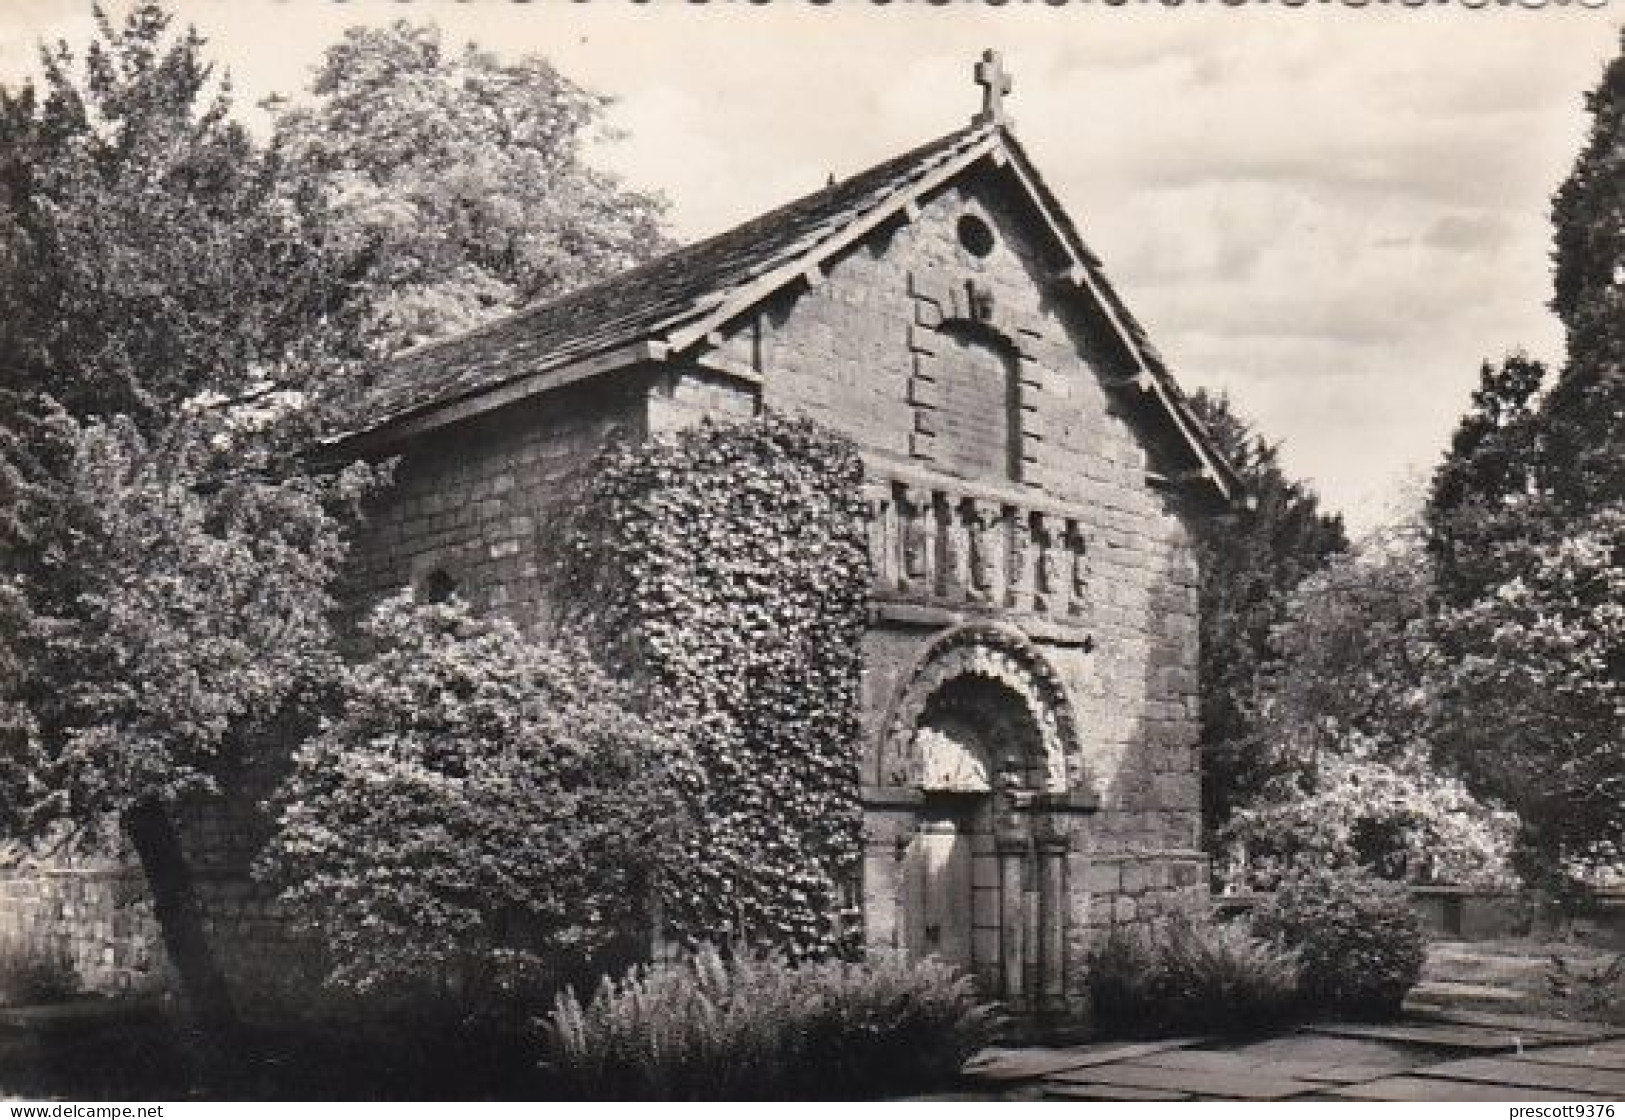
[937, 542]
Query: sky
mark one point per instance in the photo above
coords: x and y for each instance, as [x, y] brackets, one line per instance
[1334, 214]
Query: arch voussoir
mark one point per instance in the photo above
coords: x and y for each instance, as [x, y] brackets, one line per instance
[1011, 660]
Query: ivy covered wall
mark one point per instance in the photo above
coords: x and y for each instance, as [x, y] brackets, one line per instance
[725, 566]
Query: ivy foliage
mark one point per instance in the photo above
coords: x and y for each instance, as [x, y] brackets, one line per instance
[483, 812]
[726, 567]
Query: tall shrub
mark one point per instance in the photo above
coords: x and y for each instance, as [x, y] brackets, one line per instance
[483, 811]
[1359, 939]
[727, 567]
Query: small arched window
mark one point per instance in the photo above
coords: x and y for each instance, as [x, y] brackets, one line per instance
[437, 587]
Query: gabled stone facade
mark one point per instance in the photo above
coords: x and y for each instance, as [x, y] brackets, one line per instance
[1030, 764]
[1029, 748]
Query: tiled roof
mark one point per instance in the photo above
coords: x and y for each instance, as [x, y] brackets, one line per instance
[643, 302]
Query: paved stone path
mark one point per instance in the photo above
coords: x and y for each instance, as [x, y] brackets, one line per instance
[1436, 1056]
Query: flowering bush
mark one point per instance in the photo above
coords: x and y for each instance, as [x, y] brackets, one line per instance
[1400, 818]
[1539, 663]
[755, 1027]
[482, 809]
[1359, 939]
[726, 566]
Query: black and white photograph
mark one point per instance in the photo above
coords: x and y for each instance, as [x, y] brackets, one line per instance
[878, 552]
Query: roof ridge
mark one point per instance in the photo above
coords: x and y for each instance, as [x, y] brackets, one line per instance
[942, 148]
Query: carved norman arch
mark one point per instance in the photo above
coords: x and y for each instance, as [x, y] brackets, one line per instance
[1008, 658]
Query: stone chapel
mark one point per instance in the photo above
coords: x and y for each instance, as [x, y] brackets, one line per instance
[1030, 764]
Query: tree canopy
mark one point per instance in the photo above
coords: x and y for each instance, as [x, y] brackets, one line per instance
[144, 256]
[1250, 562]
[451, 187]
[165, 561]
[1525, 515]
[1346, 718]
[168, 549]
[1585, 415]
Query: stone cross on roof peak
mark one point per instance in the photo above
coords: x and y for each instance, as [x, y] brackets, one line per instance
[995, 82]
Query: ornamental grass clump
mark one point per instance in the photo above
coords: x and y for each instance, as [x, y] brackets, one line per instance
[1359, 938]
[1190, 975]
[757, 1027]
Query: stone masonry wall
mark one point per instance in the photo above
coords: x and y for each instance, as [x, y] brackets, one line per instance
[473, 501]
[879, 347]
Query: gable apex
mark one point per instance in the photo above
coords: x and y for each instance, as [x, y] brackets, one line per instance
[675, 304]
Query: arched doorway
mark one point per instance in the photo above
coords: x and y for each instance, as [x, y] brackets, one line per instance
[973, 732]
[980, 746]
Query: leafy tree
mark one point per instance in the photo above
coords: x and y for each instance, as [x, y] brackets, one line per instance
[159, 620]
[164, 559]
[177, 306]
[482, 808]
[1249, 562]
[1352, 654]
[1489, 487]
[144, 257]
[1585, 416]
[1525, 516]
[1537, 689]
[451, 187]
[1345, 728]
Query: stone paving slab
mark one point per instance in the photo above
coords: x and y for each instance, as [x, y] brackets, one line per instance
[1251, 1085]
[1060, 1090]
[1412, 1088]
[1598, 1055]
[1455, 1056]
[1031, 1063]
[1445, 1035]
[1234, 1062]
[1321, 1050]
[1532, 1075]
[1531, 1024]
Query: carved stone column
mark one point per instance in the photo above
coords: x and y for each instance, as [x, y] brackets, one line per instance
[1053, 845]
[953, 548]
[882, 533]
[1077, 573]
[1047, 577]
[981, 553]
[914, 510]
[1018, 590]
[1013, 841]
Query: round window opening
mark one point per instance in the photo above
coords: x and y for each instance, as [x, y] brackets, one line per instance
[975, 235]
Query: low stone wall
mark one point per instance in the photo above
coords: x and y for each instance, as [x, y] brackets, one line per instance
[1467, 914]
[96, 926]
[95, 923]
[1474, 914]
